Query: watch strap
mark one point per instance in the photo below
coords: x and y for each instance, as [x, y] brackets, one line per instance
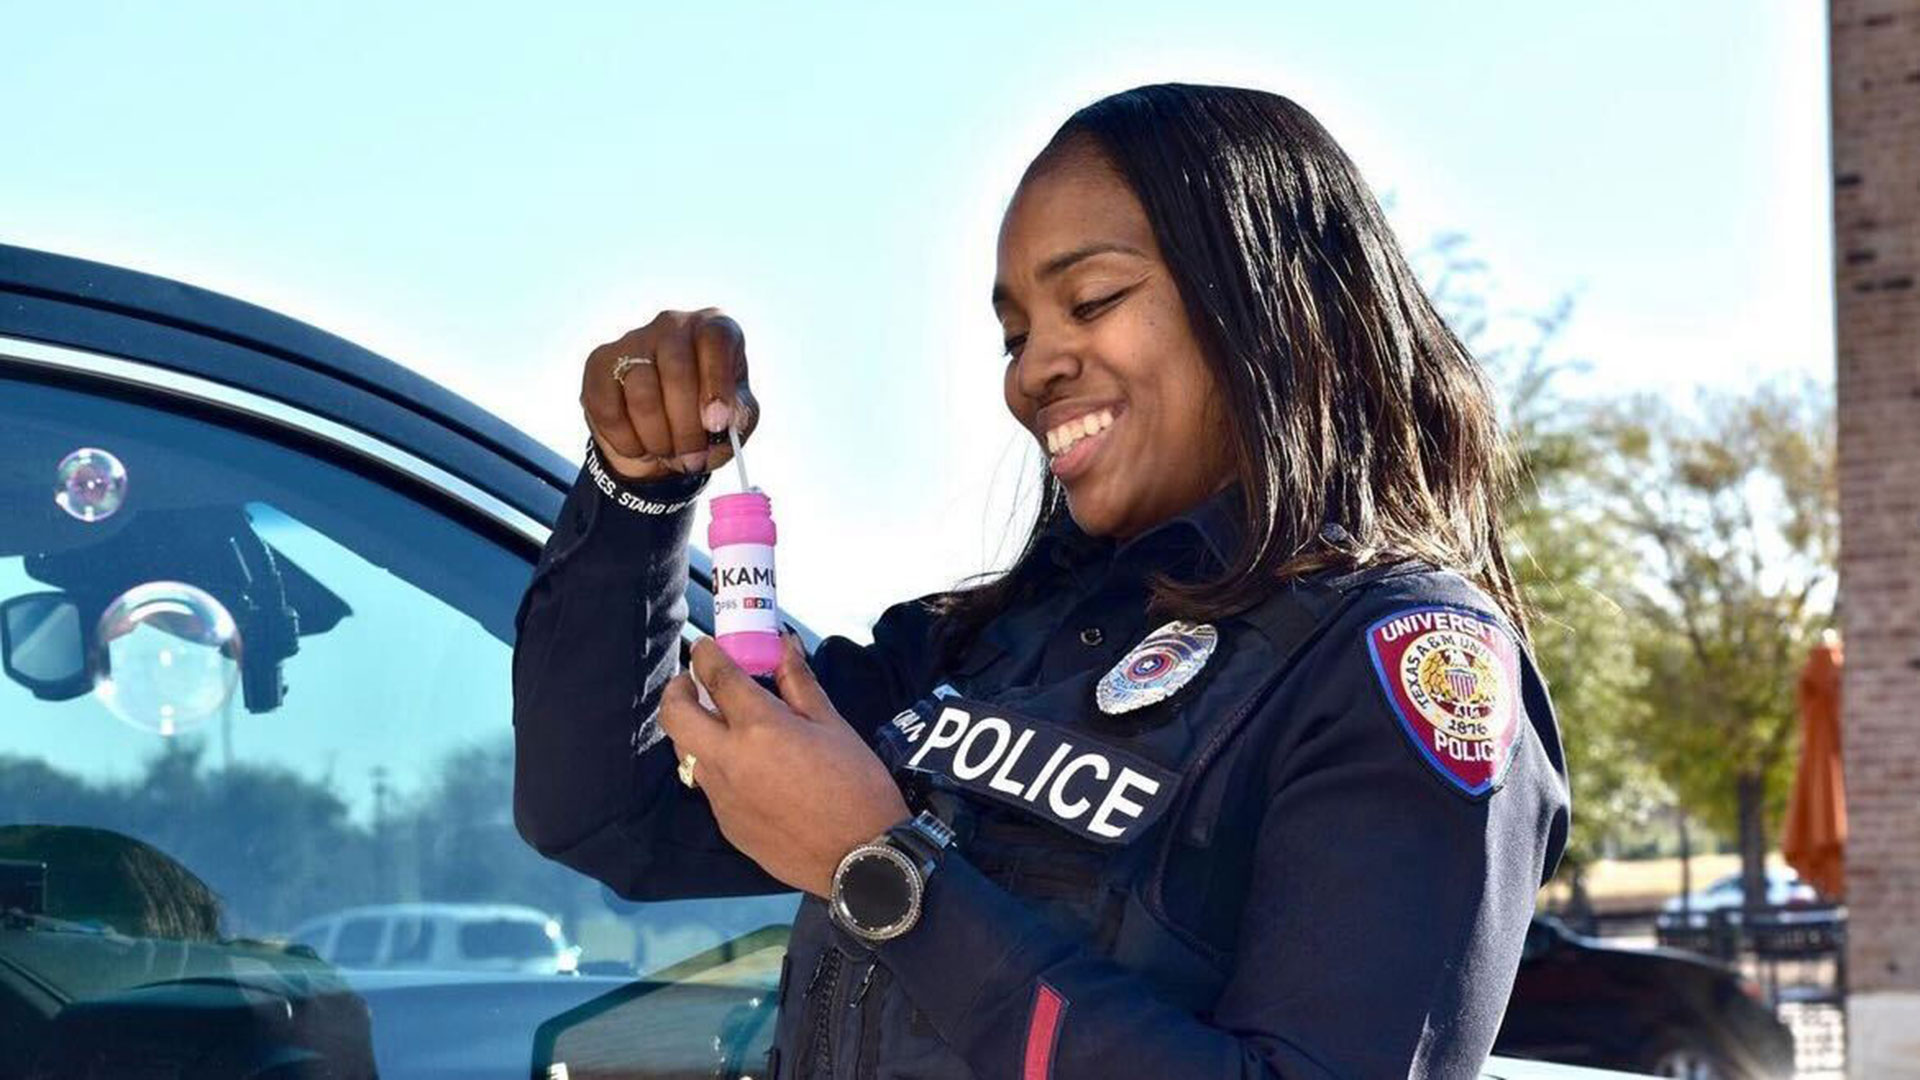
[924, 838]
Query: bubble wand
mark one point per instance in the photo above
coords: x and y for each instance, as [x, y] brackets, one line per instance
[739, 459]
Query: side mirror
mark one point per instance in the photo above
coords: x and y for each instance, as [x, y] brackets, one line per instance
[42, 645]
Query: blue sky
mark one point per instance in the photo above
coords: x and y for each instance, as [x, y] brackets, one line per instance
[484, 192]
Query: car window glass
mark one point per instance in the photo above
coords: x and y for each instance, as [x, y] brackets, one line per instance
[358, 943]
[298, 682]
[504, 939]
[412, 943]
[293, 702]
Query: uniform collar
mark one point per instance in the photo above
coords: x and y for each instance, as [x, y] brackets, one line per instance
[1210, 528]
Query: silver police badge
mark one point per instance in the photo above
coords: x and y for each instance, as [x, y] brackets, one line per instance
[1167, 660]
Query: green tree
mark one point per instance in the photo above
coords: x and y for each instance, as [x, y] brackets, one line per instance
[465, 846]
[1731, 513]
[1571, 560]
[1676, 564]
[271, 845]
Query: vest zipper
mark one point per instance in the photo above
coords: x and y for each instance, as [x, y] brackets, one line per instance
[861, 990]
[867, 1053]
[822, 987]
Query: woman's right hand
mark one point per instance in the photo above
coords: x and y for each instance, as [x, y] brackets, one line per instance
[670, 417]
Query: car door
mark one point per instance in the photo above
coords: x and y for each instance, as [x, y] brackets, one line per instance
[257, 591]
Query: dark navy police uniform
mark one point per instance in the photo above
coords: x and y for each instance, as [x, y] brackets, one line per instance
[1316, 858]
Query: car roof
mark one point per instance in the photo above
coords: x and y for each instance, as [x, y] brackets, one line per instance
[1774, 874]
[118, 312]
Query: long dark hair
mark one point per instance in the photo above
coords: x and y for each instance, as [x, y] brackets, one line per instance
[1350, 401]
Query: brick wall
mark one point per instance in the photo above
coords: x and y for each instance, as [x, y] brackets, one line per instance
[1875, 85]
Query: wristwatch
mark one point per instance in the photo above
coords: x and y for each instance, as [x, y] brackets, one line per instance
[877, 887]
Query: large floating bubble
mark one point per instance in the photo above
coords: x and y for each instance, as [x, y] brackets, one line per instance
[168, 657]
[91, 484]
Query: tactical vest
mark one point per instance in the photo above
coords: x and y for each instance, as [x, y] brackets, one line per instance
[1167, 779]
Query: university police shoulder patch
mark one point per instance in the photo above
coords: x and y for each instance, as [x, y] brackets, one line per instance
[1452, 678]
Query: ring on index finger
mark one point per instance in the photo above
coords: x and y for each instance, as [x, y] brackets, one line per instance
[685, 769]
[625, 364]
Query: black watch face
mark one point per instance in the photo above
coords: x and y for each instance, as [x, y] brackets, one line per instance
[875, 892]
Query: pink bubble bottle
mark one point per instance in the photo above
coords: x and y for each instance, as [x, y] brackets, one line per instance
[746, 622]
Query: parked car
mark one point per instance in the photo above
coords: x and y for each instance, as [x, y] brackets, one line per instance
[442, 937]
[1784, 889]
[257, 589]
[1659, 1011]
[1796, 924]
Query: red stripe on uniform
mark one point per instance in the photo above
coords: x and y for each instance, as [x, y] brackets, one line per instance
[1043, 1031]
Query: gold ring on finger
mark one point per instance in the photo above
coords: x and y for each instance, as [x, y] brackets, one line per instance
[625, 364]
[685, 769]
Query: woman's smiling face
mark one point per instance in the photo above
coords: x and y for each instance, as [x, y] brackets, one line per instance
[1103, 367]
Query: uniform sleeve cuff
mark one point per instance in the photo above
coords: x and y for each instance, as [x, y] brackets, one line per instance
[663, 496]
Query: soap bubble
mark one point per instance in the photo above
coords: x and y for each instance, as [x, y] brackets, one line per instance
[92, 484]
[168, 657]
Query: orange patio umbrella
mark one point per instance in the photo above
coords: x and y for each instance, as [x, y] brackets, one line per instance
[1815, 839]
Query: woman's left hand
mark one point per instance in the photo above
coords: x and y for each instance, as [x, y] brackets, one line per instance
[792, 786]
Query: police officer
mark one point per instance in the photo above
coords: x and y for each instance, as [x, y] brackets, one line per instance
[1242, 770]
